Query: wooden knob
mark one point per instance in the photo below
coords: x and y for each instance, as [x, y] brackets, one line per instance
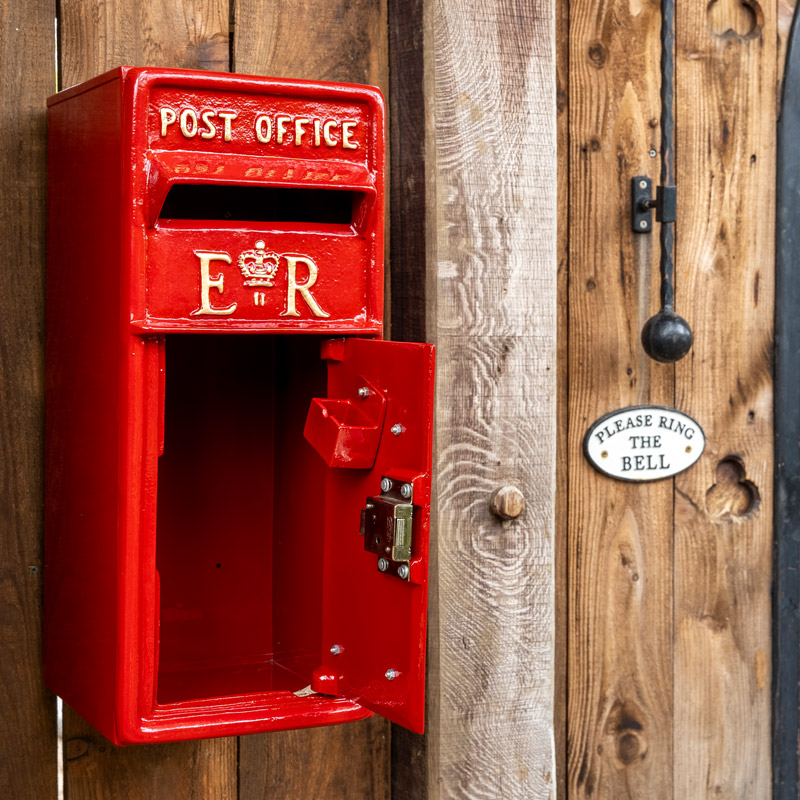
[507, 502]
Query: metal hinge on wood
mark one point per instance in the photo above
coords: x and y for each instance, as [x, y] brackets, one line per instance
[642, 204]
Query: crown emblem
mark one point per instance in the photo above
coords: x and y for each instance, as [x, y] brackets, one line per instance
[258, 266]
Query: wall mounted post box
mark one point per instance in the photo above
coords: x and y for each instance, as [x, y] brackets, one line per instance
[238, 467]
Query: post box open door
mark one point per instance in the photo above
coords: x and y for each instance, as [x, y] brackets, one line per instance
[238, 467]
[374, 624]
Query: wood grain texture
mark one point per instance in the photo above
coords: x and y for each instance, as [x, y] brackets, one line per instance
[335, 40]
[620, 535]
[339, 40]
[560, 692]
[725, 150]
[100, 34]
[96, 770]
[27, 718]
[94, 37]
[491, 247]
[336, 763]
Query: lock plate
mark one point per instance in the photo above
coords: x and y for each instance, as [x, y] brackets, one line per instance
[386, 525]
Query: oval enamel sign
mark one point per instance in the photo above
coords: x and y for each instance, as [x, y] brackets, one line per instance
[644, 443]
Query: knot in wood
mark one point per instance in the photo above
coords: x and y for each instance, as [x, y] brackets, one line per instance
[507, 502]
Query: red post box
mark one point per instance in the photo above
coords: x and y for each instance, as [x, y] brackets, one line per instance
[238, 467]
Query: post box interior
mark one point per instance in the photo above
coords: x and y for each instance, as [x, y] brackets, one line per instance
[240, 503]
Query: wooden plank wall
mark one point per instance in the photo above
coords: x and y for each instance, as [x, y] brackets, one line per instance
[668, 585]
[662, 672]
[483, 90]
[27, 710]
[726, 107]
[620, 549]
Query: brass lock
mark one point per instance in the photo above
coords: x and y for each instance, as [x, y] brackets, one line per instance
[386, 525]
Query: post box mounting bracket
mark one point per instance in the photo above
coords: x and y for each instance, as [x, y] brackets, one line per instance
[386, 525]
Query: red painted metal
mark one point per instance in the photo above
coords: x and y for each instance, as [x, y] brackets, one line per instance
[377, 619]
[202, 559]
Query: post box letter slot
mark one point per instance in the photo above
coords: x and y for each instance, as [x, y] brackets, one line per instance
[196, 201]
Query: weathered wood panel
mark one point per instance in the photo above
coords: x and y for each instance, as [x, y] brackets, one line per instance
[725, 92]
[95, 37]
[98, 35]
[27, 719]
[340, 40]
[620, 535]
[490, 196]
[560, 688]
[335, 41]
[345, 761]
[94, 769]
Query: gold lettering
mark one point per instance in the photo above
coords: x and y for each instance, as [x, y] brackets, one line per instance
[316, 133]
[254, 172]
[189, 131]
[303, 288]
[212, 129]
[228, 116]
[347, 133]
[326, 132]
[300, 129]
[260, 298]
[261, 135]
[207, 283]
[280, 125]
[168, 117]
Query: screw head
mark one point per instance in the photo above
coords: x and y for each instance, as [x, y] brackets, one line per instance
[383, 564]
[363, 391]
[386, 484]
[642, 223]
[391, 674]
[642, 184]
[336, 649]
[397, 429]
[406, 490]
[653, 154]
[402, 571]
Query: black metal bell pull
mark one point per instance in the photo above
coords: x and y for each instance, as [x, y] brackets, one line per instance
[666, 336]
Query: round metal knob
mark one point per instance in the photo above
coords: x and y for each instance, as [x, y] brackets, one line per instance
[507, 502]
[666, 337]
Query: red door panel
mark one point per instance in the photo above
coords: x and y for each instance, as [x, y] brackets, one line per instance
[376, 562]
